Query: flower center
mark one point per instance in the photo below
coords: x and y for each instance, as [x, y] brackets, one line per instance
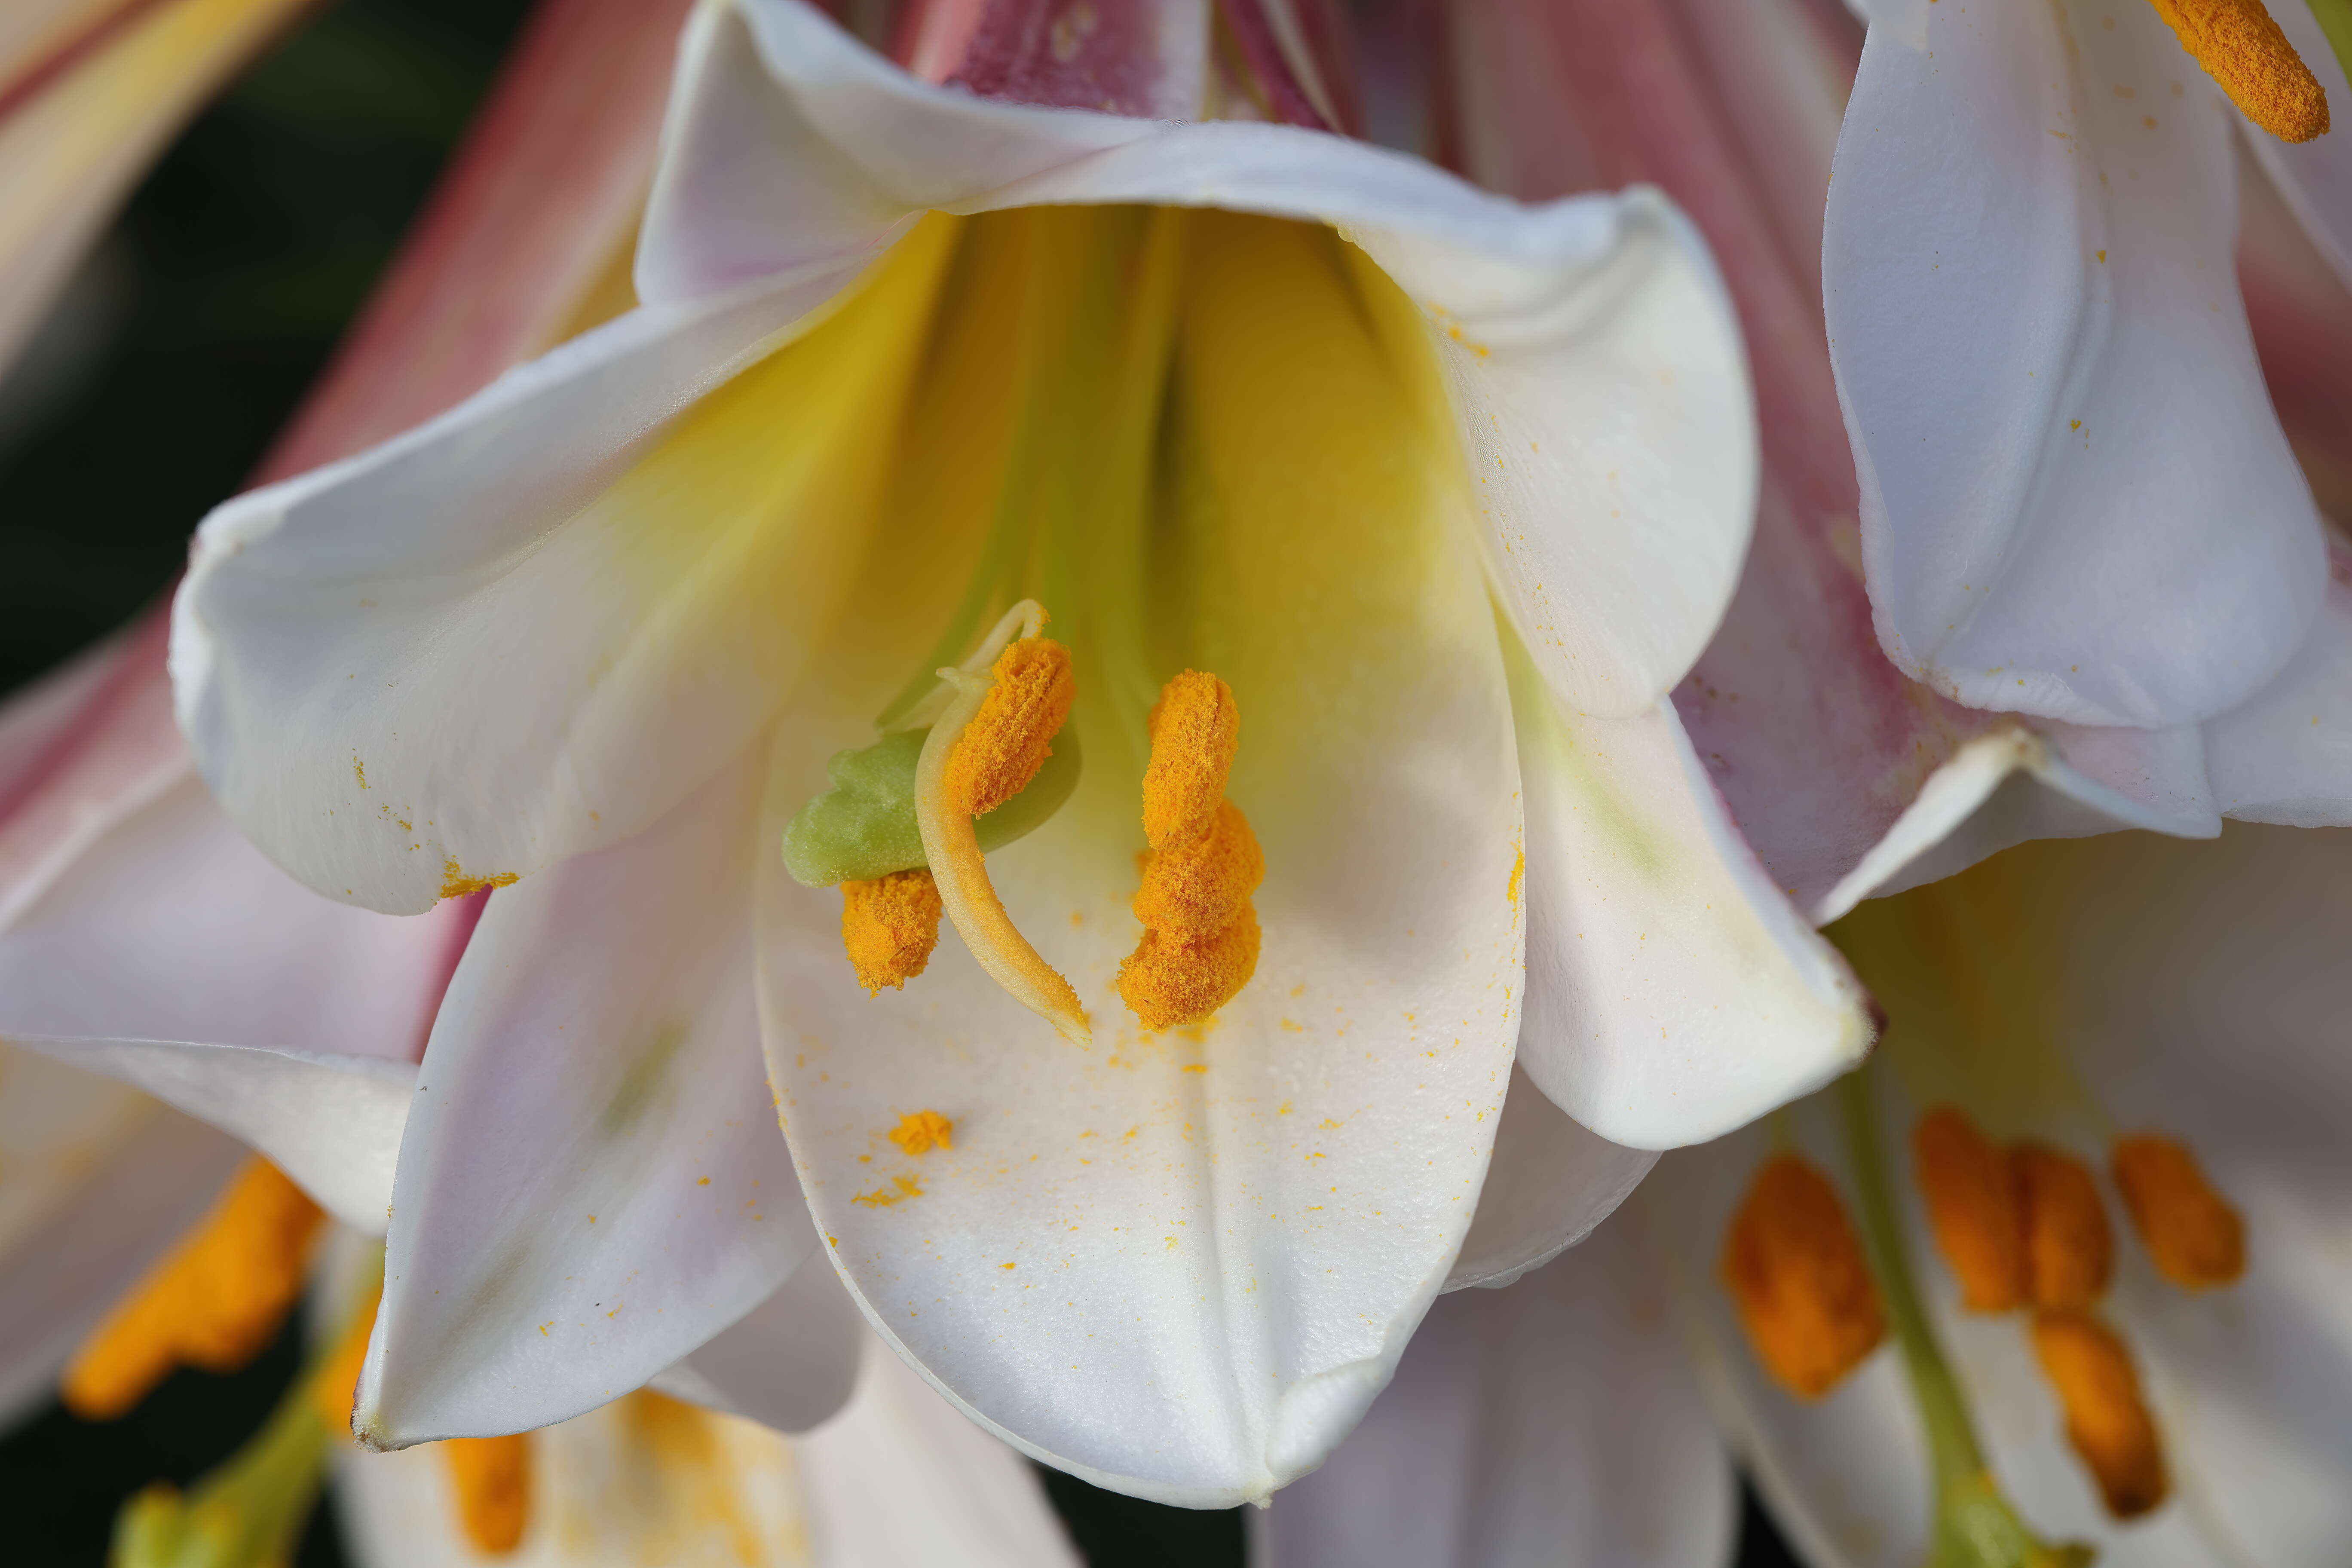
[2243, 51]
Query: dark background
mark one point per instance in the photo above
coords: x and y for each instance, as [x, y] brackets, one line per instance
[181, 347]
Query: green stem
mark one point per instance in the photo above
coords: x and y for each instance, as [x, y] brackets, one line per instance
[1975, 1526]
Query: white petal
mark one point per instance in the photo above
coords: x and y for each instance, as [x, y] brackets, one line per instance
[79, 751]
[331, 1124]
[172, 927]
[2286, 755]
[2076, 500]
[330, 641]
[1672, 992]
[788, 1362]
[593, 1184]
[1594, 362]
[2315, 177]
[1554, 1422]
[900, 1477]
[95, 1180]
[1549, 1182]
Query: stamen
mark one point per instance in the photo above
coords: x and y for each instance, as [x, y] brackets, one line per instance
[2243, 51]
[1971, 1198]
[890, 927]
[2107, 1421]
[981, 750]
[214, 1302]
[492, 1476]
[919, 1130]
[1201, 936]
[2070, 1250]
[2191, 1231]
[1795, 1269]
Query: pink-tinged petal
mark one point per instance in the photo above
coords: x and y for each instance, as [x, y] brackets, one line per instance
[331, 1124]
[1672, 992]
[1547, 1184]
[2300, 312]
[536, 206]
[124, 1208]
[87, 98]
[592, 1184]
[1553, 1422]
[2314, 177]
[1150, 60]
[2075, 498]
[788, 1364]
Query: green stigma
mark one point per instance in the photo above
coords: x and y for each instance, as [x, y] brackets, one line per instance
[863, 827]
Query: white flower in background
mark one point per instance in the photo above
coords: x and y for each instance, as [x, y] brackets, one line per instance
[601, 629]
[2097, 1179]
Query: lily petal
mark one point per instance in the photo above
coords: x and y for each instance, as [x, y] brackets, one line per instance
[331, 1124]
[787, 1364]
[95, 1180]
[1672, 992]
[592, 1184]
[1549, 1182]
[1553, 1422]
[1595, 369]
[2047, 374]
[2287, 756]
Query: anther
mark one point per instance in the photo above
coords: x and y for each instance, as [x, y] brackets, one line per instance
[995, 733]
[2244, 51]
[1796, 1272]
[1201, 937]
[2070, 1251]
[2194, 1237]
[214, 1302]
[1971, 1198]
[889, 926]
[2107, 1420]
[491, 1478]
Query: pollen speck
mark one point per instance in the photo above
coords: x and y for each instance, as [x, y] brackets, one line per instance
[919, 1130]
[455, 882]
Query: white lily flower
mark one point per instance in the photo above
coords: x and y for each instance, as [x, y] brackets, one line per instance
[2072, 1003]
[696, 550]
[1554, 1422]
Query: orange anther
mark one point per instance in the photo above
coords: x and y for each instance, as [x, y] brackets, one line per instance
[889, 926]
[1201, 937]
[2243, 51]
[1795, 1270]
[2070, 1251]
[1195, 730]
[492, 1476]
[1972, 1199]
[919, 1130]
[2191, 1231]
[2107, 1421]
[1010, 738]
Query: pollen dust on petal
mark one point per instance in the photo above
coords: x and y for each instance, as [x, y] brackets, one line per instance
[456, 882]
[919, 1130]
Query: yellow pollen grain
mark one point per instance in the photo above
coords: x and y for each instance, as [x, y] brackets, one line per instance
[1011, 736]
[2191, 1233]
[2107, 1420]
[1795, 1270]
[1201, 936]
[2070, 1249]
[214, 1301]
[889, 926]
[2243, 51]
[491, 1478]
[457, 883]
[1971, 1198]
[919, 1130]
